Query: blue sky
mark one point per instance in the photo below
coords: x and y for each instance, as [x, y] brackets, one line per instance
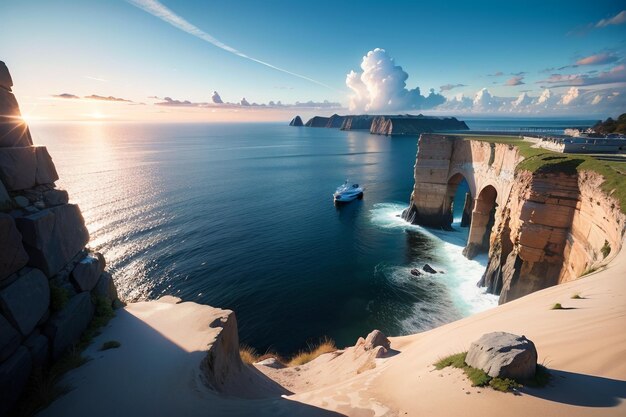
[114, 48]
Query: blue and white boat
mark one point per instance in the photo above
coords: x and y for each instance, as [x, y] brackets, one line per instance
[346, 193]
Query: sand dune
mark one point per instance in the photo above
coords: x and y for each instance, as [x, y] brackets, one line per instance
[157, 370]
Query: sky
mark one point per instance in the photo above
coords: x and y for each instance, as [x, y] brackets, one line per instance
[269, 60]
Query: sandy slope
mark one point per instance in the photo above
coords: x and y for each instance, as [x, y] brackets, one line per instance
[156, 371]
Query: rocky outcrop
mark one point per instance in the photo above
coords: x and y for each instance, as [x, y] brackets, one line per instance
[389, 125]
[504, 355]
[296, 121]
[42, 257]
[317, 121]
[539, 228]
[414, 125]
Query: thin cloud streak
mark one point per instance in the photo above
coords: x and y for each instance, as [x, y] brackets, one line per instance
[162, 12]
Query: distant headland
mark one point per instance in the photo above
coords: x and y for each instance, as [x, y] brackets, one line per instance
[390, 125]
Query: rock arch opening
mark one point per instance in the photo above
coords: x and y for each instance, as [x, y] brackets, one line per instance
[483, 219]
[458, 203]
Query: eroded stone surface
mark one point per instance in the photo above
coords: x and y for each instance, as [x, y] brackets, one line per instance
[26, 300]
[12, 253]
[65, 327]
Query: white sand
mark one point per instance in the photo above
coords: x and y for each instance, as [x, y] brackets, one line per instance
[156, 370]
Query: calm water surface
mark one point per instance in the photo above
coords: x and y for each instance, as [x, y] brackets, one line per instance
[240, 216]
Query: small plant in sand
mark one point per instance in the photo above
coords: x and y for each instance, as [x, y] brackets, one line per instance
[557, 306]
[325, 345]
[480, 378]
[111, 344]
[248, 354]
[577, 296]
[606, 249]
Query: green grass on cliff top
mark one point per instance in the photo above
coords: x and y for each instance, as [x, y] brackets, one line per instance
[611, 167]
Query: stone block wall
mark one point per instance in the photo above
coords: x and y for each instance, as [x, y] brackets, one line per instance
[49, 280]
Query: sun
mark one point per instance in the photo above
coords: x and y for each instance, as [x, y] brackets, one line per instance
[97, 115]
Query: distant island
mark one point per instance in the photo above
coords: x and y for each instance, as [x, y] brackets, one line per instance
[390, 125]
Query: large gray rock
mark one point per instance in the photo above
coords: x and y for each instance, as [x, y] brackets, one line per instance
[26, 300]
[14, 131]
[52, 237]
[6, 81]
[12, 253]
[14, 374]
[504, 355]
[55, 197]
[37, 345]
[5, 199]
[9, 339]
[87, 272]
[46, 172]
[18, 167]
[105, 288]
[65, 327]
[376, 338]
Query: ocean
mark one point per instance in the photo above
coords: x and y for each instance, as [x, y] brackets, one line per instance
[240, 216]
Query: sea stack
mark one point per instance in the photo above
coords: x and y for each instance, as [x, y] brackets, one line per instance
[296, 121]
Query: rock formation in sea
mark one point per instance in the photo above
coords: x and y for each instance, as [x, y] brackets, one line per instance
[394, 125]
[49, 281]
[538, 228]
[296, 121]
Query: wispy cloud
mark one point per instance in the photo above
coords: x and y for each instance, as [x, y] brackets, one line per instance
[66, 96]
[162, 12]
[89, 77]
[598, 59]
[107, 98]
[243, 103]
[519, 80]
[448, 87]
[496, 74]
[618, 19]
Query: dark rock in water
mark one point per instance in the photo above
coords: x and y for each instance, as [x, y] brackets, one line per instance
[504, 355]
[414, 125]
[14, 374]
[429, 269]
[296, 121]
[357, 122]
[26, 300]
[415, 272]
[317, 121]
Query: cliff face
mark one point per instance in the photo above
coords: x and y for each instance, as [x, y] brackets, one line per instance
[539, 228]
[556, 228]
[49, 282]
[389, 125]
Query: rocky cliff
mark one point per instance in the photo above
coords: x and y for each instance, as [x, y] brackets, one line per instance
[539, 228]
[389, 125]
[296, 121]
[49, 281]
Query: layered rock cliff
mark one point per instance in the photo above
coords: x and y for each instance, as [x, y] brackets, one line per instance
[389, 125]
[539, 228]
[49, 282]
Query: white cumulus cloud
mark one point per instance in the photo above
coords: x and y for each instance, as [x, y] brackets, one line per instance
[382, 86]
[570, 97]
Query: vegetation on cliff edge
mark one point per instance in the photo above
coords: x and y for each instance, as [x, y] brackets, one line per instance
[613, 169]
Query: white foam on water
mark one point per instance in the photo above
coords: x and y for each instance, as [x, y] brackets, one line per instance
[461, 274]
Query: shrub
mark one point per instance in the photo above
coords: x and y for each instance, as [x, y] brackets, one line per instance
[325, 345]
[557, 306]
[248, 354]
[606, 249]
[111, 344]
[577, 296]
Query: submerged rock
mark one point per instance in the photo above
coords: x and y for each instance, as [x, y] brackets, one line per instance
[416, 272]
[504, 355]
[429, 269]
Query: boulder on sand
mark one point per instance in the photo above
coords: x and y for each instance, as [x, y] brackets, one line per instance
[504, 355]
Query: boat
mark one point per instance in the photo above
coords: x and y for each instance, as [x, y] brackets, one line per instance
[346, 193]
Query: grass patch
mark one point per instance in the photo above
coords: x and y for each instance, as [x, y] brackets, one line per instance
[557, 306]
[480, 378]
[577, 297]
[606, 249]
[44, 384]
[325, 345]
[546, 161]
[111, 344]
[589, 271]
[248, 354]
[59, 297]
